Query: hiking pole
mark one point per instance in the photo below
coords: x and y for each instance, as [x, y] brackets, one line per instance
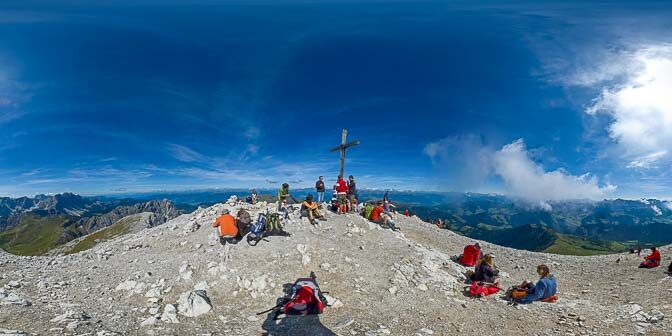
[269, 310]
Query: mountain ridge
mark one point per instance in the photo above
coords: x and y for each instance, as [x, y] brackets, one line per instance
[379, 282]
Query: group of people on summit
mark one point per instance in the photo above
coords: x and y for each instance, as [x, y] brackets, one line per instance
[345, 200]
[484, 278]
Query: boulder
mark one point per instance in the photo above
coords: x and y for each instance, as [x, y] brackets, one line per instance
[170, 314]
[7, 298]
[194, 303]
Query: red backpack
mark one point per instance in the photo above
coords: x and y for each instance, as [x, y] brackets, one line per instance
[305, 299]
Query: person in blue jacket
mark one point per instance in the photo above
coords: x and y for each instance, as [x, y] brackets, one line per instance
[546, 287]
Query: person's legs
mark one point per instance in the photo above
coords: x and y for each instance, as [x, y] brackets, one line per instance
[320, 196]
[388, 220]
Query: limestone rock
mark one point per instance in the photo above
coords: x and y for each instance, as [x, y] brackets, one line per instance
[194, 303]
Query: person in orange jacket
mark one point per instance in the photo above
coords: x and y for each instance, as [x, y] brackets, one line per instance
[652, 260]
[227, 228]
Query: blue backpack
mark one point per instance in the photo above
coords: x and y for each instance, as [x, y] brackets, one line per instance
[257, 230]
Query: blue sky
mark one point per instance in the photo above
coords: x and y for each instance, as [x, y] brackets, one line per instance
[543, 100]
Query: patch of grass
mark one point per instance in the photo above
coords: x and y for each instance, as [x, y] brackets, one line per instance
[33, 236]
[571, 245]
[117, 229]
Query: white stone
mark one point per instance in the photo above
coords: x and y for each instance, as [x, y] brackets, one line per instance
[169, 314]
[148, 321]
[194, 303]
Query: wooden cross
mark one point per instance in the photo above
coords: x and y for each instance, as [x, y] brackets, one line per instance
[343, 147]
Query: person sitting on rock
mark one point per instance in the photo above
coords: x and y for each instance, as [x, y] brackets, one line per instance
[227, 228]
[544, 290]
[484, 280]
[311, 210]
[652, 260]
[382, 217]
[254, 196]
[485, 271]
[471, 255]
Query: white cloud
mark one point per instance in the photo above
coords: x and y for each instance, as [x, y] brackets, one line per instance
[464, 158]
[184, 153]
[526, 179]
[640, 106]
[668, 205]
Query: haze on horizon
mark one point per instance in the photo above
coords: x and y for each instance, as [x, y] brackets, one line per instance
[544, 101]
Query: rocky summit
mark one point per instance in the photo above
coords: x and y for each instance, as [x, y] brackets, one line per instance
[176, 279]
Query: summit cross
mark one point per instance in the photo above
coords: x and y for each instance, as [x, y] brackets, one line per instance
[343, 147]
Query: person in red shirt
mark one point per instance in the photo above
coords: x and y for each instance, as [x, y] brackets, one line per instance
[382, 217]
[652, 260]
[342, 194]
[406, 213]
[471, 255]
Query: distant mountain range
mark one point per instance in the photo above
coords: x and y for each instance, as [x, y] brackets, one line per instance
[32, 226]
[35, 225]
[603, 226]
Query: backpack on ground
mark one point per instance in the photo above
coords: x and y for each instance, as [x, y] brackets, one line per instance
[514, 294]
[368, 210]
[480, 289]
[257, 230]
[306, 298]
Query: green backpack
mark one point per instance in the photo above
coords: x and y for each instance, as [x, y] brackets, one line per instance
[368, 210]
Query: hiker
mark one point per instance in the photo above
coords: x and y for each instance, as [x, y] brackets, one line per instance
[319, 188]
[227, 228]
[243, 222]
[334, 201]
[406, 213]
[253, 198]
[544, 290]
[311, 210]
[380, 216]
[352, 190]
[484, 280]
[652, 260]
[342, 193]
[283, 194]
[485, 271]
[471, 255]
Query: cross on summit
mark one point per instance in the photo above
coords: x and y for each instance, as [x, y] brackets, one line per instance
[343, 147]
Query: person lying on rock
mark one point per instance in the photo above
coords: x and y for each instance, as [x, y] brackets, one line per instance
[311, 210]
[471, 255]
[380, 216]
[652, 260]
[227, 228]
[544, 290]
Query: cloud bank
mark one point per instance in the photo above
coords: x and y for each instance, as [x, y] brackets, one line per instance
[639, 105]
[527, 179]
[521, 176]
